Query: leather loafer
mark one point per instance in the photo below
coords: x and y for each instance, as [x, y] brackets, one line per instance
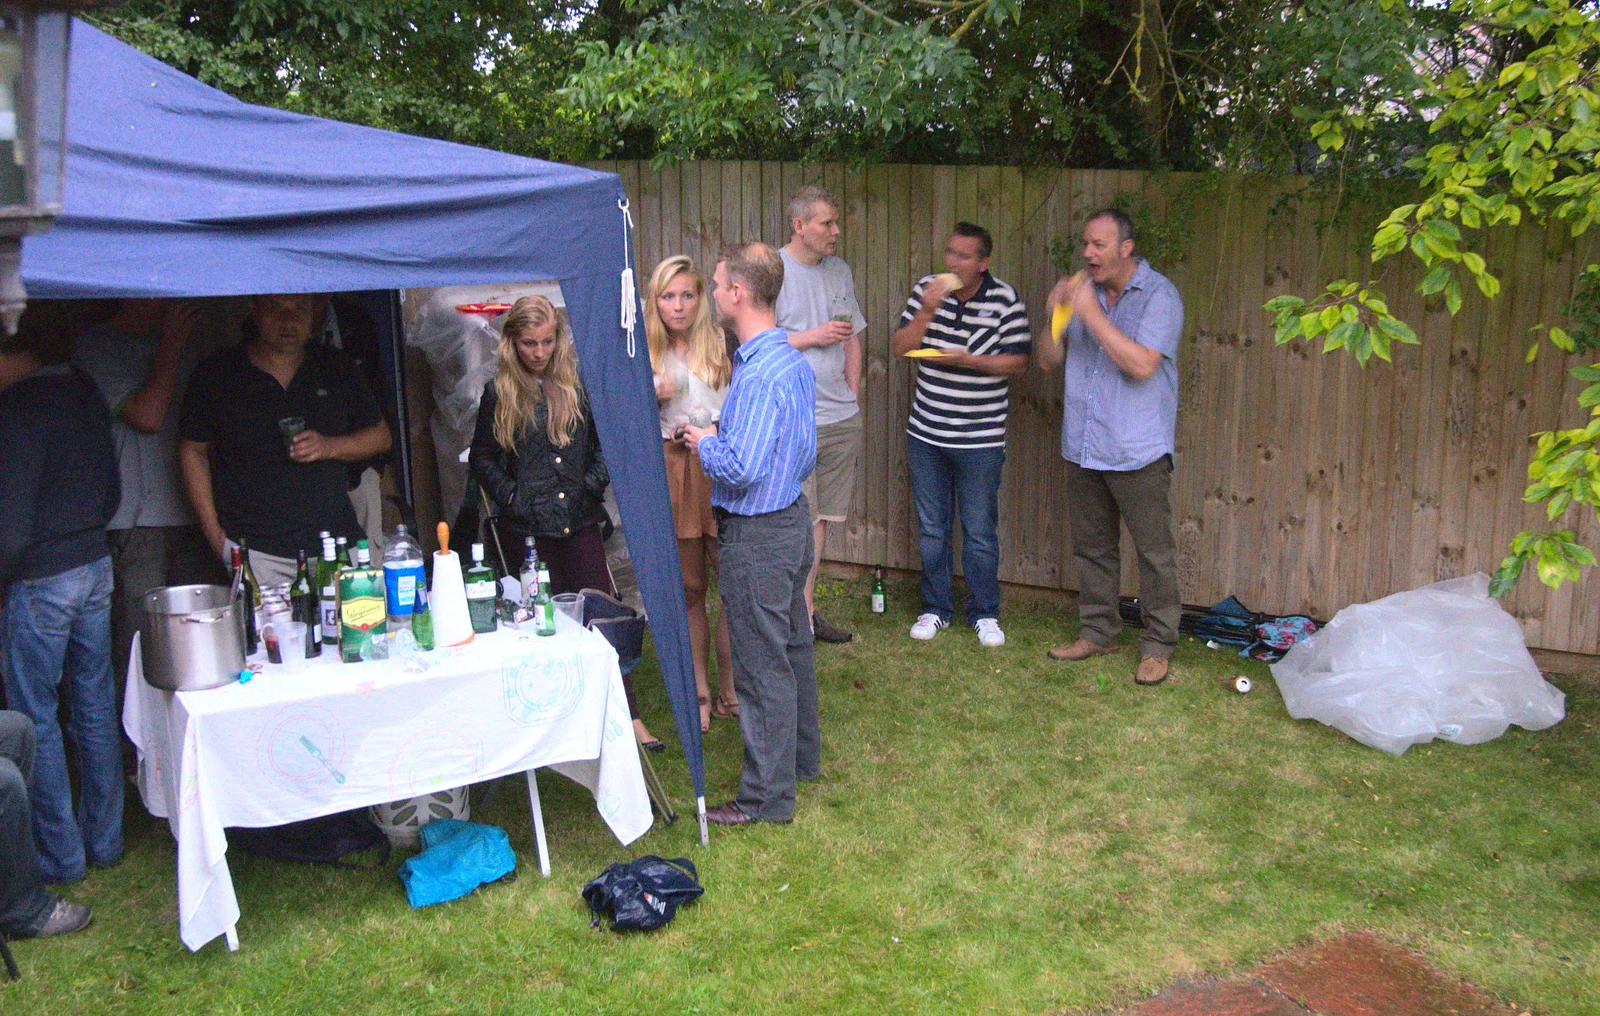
[1152, 670]
[1082, 649]
[728, 814]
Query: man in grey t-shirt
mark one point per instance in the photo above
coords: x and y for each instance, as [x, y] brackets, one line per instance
[141, 359]
[818, 308]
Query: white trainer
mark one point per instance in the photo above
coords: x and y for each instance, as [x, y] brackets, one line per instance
[928, 626]
[989, 632]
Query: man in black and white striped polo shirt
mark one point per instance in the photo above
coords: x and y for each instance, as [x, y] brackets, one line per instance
[971, 339]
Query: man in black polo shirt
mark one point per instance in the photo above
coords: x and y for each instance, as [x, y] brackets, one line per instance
[242, 480]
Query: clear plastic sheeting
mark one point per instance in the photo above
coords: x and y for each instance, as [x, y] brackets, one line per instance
[460, 349]
[1444, 661]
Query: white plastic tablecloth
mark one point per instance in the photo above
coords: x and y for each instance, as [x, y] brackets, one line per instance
[286, 747]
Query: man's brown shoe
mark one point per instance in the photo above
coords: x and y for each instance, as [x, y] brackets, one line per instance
[1152, 670]
[728, 814]
[1081, 650]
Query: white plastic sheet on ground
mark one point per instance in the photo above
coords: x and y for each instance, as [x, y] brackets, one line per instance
[1442, 661]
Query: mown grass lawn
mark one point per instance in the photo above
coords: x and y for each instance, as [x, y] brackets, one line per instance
[993, 832]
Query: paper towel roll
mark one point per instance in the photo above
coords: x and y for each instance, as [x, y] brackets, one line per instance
[452, 625]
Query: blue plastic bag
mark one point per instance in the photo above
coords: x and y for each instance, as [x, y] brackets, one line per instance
[456, 858]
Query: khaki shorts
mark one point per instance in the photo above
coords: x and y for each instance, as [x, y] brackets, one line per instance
[832, 487]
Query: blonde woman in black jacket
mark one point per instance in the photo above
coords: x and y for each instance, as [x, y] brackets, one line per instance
[537, 454]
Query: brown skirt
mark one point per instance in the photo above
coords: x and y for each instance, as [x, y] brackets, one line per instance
[691, 493]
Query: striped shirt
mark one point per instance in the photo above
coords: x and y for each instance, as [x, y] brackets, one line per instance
[956, 407]
[766, 440]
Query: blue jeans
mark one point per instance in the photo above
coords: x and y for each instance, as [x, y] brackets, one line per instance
[55, 635]
[24, 904]
[943, 481]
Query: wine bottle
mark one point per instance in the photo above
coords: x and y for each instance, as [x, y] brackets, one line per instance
[305, 605]
[252, 592]
[328, 592]
[241, 605]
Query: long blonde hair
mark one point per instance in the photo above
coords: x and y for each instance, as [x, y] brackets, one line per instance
[519, 391]
[708, 354]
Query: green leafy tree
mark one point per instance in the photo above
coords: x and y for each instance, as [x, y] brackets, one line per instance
[1516, 124]
[481, 72]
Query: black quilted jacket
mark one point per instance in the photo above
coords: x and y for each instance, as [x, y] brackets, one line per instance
[547, 491]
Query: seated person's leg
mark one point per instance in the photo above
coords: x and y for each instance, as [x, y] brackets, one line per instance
[26, 908]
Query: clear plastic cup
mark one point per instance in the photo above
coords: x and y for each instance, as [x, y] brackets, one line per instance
[570, 604]
[292, 644]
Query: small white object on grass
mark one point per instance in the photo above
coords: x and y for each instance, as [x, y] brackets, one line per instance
[1242, 685]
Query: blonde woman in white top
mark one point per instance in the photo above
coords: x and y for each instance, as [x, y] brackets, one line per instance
[692, 371]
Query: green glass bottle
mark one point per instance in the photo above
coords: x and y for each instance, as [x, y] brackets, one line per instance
[482, 592]
[422, 619]
[880, 596]
[305, 605]
[544, 608]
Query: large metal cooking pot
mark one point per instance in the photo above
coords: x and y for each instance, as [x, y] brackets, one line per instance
[190, 638]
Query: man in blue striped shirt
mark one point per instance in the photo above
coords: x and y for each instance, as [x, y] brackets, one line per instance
[764, 445]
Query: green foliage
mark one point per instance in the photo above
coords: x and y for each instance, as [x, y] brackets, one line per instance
[690, 98]
[482, 72]
[1515, 134]
[708, 76]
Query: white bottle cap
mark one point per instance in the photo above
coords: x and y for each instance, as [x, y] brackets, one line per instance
[477, 553]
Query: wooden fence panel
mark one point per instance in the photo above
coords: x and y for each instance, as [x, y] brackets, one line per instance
[1303, 482]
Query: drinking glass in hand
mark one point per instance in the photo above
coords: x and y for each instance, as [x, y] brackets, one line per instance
[840, 308]
[288, 428]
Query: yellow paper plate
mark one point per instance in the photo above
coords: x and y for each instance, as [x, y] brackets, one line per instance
[923, 354]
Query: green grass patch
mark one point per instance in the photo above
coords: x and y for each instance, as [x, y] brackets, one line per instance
[993, 832]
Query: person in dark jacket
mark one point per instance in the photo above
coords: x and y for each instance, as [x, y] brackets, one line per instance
[58, 490]
[536, 453]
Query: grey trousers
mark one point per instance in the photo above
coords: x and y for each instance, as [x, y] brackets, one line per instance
[765, 560]
[1099, 502]
[24, 903]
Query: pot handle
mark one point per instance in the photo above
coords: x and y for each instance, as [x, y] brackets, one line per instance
[191, 619]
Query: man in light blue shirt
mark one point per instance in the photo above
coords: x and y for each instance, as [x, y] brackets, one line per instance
[762, 448]
[1117, 435]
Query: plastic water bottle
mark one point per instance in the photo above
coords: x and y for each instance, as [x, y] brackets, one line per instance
[402, 577]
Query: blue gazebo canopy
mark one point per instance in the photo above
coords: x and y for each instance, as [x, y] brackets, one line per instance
[176, 189]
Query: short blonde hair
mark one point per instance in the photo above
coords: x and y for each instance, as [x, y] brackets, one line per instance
[803, 205]
[758, 268]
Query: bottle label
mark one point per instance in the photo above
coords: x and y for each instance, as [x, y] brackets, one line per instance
[481, 590]
[400, 582]
[362, 612]
[878, 605]
[330, 619]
